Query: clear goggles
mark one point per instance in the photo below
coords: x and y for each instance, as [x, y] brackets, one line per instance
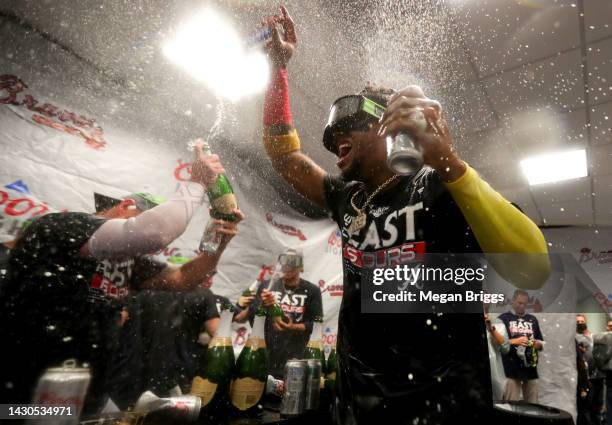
[291, 261]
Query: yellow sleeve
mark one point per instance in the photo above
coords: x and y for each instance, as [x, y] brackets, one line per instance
[500, 228]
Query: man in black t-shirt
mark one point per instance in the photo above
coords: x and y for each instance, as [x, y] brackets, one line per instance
[171, 324]
[521, 362]
[302, 305]
[70, 273]
[404, 368]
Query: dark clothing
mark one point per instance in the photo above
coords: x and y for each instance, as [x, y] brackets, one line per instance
[4, 257]
[220, 301]
[60, 305]
[171, 324]
[395, 368]
[302, 304]
[583, 389]
[518, 367]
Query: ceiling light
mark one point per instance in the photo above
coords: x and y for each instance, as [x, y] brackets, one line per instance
[210, 50]
[555, 167]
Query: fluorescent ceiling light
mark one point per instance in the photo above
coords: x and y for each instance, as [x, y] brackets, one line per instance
[209, 49]
[555, 167]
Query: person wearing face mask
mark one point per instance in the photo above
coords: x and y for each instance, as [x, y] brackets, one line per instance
[595, 402]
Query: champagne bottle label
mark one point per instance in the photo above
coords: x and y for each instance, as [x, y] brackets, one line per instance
[246, 392]
[316, 344]
[332, 376]
[204, 389]
[220, 341]
[255, 343]
[224, 204]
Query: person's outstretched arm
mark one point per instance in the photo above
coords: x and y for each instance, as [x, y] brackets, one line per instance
[190, 275]
[155, 228]
[280, 137]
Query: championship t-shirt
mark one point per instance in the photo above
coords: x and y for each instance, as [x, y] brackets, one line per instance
[60, 305]
[301, 304]
[521, 362]
[431, 366]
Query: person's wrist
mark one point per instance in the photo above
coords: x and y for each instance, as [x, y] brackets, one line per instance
[200, 182]
[451, 168]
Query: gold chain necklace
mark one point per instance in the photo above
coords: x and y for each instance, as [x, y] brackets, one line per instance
[360, 220]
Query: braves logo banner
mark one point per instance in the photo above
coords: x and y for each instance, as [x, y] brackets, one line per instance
[13, 91]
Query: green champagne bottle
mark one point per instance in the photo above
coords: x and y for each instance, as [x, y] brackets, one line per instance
[221, 195]
[217, 368]
[251, 291]
[331, 369]
[314, 349]
[251, 377]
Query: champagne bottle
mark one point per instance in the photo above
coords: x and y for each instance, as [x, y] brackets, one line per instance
[314, 349]
[213, 379]
[222, 202]
[251, 291]
[251, 377]
[331, 368]
[221, 195]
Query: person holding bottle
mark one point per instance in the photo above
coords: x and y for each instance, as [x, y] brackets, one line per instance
[521, 361]
[70, 275]
[400, 368]
[301, 305]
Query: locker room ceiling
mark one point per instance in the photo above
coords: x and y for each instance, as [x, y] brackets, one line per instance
[516, 77]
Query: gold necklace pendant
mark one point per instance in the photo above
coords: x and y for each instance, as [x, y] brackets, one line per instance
[359, 222]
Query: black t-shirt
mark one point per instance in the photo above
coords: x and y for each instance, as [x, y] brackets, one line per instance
[408, 362]
[58, 304]
[220, 301]
[171, 324]
[301, 304]
[523, 367]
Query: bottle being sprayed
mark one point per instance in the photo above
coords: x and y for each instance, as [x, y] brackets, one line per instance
[276, 312]
[220, 193]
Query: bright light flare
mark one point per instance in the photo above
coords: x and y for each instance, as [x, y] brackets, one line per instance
[209, 49]
[555, 167]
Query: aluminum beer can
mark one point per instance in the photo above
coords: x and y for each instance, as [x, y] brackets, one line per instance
[188, 405]
[294, 396]
[64, 386]
[403, 156]
[313, 384]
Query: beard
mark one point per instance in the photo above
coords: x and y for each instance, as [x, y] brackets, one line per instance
[352, 172]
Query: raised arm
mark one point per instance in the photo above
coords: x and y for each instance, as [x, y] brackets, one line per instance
[155, 228]
[280, 137]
